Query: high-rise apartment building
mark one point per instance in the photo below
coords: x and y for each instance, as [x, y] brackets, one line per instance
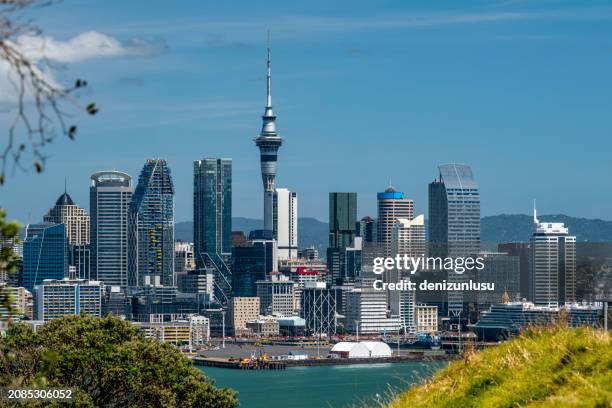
[286, 223]
[110, 194]
[552, 264]
[392, 204]
[73, 217]
[151, 226]
[45, 254]
[212, 227]
[77, 224]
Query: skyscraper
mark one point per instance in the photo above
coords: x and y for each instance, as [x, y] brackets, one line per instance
[212, 215]
[392, 204]
[407, 238]
[73, 217]
[151, 227]
[454, 212]
[45, 254]
[342, 219]
[454, 224]
[76, 222]
[110, 194]
[552, 264]
[286, 223]
[268, 143]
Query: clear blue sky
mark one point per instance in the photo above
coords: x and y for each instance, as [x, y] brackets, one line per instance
[364, 92]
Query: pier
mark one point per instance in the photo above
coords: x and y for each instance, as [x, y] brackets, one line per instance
[258, 364]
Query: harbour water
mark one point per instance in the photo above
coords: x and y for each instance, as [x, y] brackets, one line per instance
[322, 386]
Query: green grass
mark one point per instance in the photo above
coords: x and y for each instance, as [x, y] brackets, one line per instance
[558, 367]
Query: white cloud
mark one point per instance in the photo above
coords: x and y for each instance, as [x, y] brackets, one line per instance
[85, 46]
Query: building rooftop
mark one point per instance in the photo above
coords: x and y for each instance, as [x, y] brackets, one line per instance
[64, 199]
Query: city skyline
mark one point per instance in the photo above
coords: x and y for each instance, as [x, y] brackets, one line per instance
[447, 100]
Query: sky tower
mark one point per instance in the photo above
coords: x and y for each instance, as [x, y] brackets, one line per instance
[268, 142]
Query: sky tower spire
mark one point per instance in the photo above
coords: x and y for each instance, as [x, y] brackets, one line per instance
[268, 143]
[269, 77]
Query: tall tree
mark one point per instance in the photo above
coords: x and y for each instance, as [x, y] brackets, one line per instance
[109, 364]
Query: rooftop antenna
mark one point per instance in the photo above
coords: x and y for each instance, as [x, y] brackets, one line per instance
[535, 213]
[65, 185]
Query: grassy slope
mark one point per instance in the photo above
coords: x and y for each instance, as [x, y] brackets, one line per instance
[559, 367]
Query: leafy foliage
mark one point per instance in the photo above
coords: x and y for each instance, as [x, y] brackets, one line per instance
[108, 363]
[8, 258]
[41, 106]
[557, 367]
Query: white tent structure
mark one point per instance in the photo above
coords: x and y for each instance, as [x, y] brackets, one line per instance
[364, 349]
[346, 349]
[377, 349]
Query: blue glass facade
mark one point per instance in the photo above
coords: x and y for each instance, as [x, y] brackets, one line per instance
[45, 254]
[151, 226]
[391, 195]
[251, 264]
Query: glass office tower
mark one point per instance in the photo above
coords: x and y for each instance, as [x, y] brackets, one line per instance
[454, 225]
[454, 212]
[45, 254]
[110, 194]
[251, 263]
[212, 216]
[342, 219]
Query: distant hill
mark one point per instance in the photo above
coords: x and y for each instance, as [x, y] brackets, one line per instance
[310, 230]
[506, 228]
[497, 228]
